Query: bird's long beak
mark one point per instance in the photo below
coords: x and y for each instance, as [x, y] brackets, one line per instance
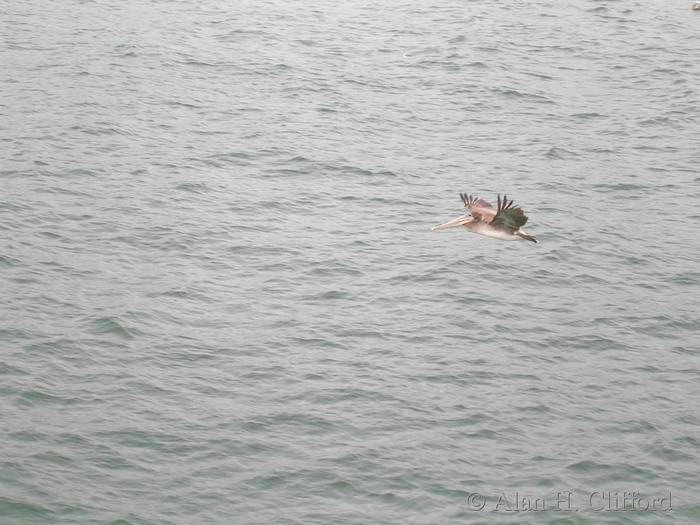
[459, 221]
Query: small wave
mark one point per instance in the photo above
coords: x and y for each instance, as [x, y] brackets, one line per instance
[111, 326]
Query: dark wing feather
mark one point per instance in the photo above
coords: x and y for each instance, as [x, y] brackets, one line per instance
[479, 209]
[508, 215]
[472, 201]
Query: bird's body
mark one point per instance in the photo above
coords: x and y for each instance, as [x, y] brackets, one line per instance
[504, 222]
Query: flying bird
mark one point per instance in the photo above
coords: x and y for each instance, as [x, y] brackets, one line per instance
[504, 222]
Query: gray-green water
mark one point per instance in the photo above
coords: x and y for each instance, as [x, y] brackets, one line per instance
[221, 301]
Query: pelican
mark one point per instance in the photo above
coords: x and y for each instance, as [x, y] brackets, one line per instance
[502, 223]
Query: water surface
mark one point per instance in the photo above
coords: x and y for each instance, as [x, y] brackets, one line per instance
[222, 301]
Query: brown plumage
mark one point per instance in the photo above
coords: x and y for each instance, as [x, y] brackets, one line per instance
[504, 222]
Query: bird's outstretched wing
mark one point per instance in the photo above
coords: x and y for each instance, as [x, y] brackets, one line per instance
[479, 209]
[471, 200]
[508, 215]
